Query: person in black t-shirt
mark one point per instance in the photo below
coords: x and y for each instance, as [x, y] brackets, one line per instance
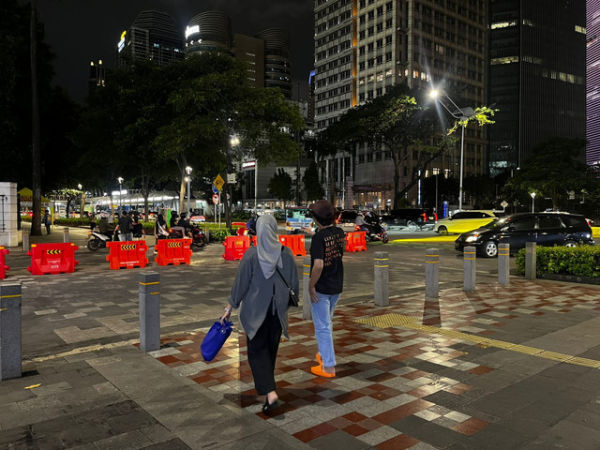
[124, 227]
[326, 281]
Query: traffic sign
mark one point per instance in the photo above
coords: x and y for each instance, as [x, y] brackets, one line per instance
[231, 178]
[214, 189]
[219, 182]
[215, 199]
[504, 203]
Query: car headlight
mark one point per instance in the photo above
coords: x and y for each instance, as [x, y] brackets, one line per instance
[473, 238]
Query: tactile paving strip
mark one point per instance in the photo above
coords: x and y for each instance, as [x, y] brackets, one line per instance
[400, 320]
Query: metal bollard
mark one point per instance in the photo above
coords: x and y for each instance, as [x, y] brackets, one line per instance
[10, 331]
[504, 264]
[382, 278]
[432, 273]
[66, 237]
[149, 308]
[470, 263]
[306, 308]
[26, 246]
[530, 261]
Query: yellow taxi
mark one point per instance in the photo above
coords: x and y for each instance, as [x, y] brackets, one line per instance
[464, 221]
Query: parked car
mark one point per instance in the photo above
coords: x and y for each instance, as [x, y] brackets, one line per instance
[409, 217]
[547, 229]
[463, 221]
[346, 219]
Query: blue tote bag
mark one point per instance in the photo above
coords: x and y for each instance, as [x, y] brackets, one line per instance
[214, 339]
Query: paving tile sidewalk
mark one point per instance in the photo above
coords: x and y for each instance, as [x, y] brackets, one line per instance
[402, 388]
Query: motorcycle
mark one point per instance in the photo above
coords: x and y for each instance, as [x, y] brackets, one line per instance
[198, 237]
[98, 240]
[374, 232]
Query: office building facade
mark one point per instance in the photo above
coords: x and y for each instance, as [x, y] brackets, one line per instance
[536, 76]
[593, 82]
[363, 47]
[277, 67]
[153, 36]
[208, 31]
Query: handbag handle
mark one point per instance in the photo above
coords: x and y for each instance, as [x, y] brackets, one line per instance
[280, 275]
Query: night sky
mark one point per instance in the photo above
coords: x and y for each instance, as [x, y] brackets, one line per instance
[83, 30]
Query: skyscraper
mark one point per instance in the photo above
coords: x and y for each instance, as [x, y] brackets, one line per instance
[536, 76]
[593, 81]
[251, 51]
[362, 47]
[277, 60]
[153, 36]
[208, 31]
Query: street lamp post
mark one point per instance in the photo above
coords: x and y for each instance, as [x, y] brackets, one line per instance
[532, 202]
[462, 114]
[120, 180]
[436, 172]
[188, 179]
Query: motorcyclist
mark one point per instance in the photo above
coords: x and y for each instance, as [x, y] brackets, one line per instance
[185, 224]
[251, 226]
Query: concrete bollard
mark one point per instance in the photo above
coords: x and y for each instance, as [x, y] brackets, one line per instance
[530, 261]
[382, 279]
[470, 265]
[149, 308]
[504, 264]
[432, 273]
[66, 237]
[26, 246]
[10, 331]
[306, 309]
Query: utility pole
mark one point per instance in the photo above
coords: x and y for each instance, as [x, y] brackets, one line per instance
[36, 173]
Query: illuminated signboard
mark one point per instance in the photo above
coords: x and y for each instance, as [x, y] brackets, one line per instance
[249, 165]
[121, 44]
[194, 29]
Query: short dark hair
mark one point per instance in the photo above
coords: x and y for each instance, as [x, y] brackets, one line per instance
[323, 212]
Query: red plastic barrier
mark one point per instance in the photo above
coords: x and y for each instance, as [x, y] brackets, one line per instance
[241, 231]
[128, 254]
[254, 241]
[295, 242]
[173, 251]
[235, 247]
[356, 241]
[238, 224]
[52, 258]
[3, 266]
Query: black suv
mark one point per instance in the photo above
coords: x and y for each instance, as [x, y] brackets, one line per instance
[548, 229]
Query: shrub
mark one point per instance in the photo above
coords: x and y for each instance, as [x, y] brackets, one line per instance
[581, 261]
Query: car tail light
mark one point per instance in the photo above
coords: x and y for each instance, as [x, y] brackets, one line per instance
[589, 222]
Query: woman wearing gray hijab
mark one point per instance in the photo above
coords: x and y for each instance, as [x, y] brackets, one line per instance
[264, 299]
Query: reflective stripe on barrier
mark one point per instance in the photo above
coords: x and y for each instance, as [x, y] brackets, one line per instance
[295, 242]
[235, 247]
[356, 241]
[3, 266]
[52, 258]
[173, 251]
[127, 254]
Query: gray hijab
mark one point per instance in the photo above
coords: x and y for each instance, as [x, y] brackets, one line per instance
[269, 247]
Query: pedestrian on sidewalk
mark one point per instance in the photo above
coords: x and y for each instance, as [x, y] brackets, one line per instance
[46, 221]
[326, 281]
[124, 228]
[260, 285]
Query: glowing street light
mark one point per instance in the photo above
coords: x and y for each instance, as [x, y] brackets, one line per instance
[462, 114]
[532, 202]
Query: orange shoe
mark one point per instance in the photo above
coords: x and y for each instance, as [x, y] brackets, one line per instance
[318, 370]
[318, 358]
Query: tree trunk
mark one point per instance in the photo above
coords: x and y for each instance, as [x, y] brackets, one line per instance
[182, 188]
[397, 197]
[145, 192]
[36, 220]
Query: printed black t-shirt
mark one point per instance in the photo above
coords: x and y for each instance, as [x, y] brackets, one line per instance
[328, 244]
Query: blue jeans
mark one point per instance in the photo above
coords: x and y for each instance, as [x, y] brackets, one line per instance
[125, 237]
[322, 313]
